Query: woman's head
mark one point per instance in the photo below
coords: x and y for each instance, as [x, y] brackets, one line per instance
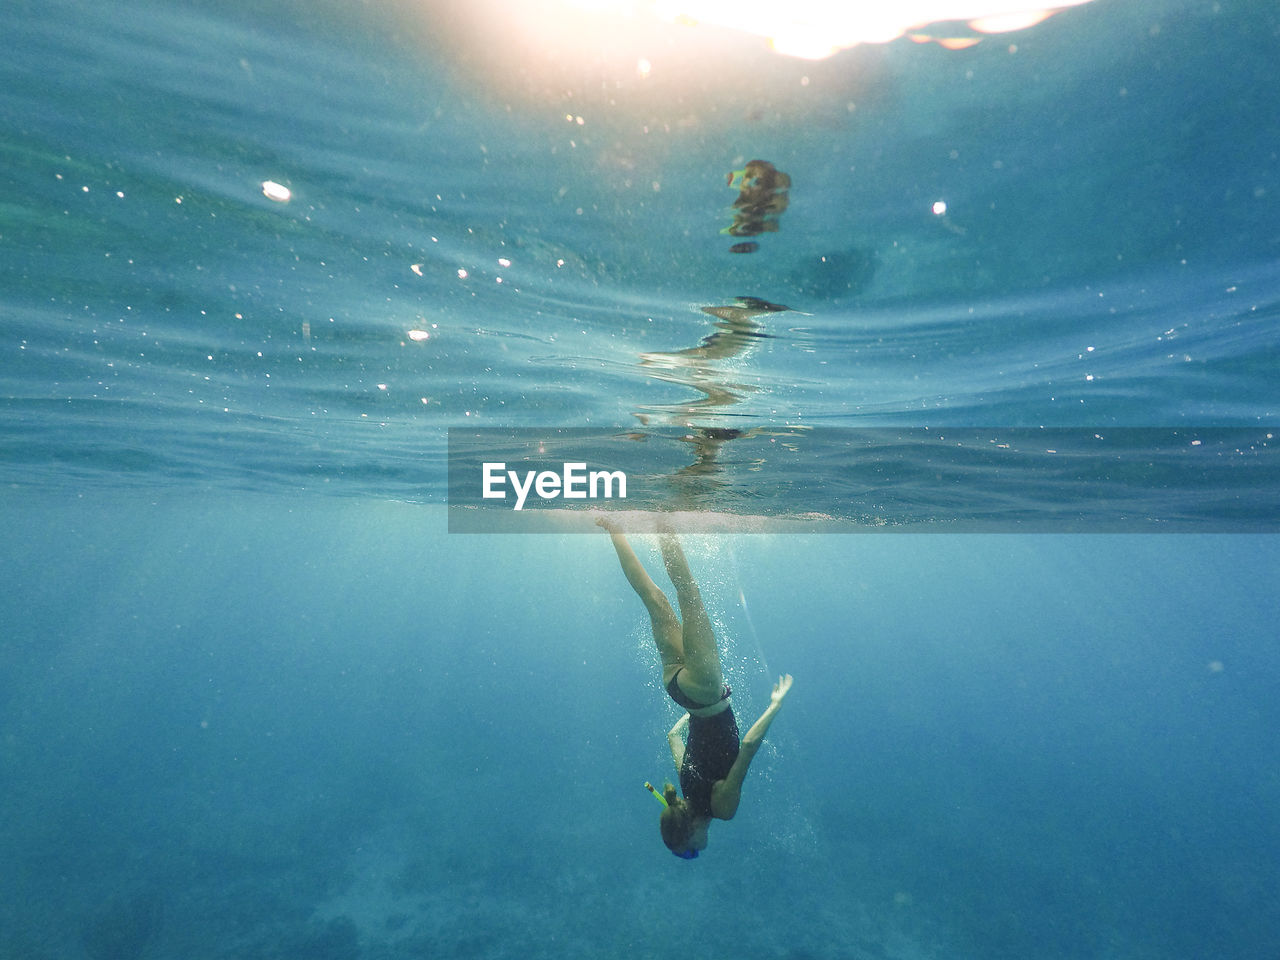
[682, 832]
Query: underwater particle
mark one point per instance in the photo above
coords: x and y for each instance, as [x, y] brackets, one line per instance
[749, 247]
[462, 274]
[418, 335]
[276, 191]
[836, 274]
[939, 207]
[416, 268]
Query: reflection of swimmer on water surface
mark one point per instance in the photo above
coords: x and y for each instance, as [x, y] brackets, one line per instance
[762, 199]
[736, 331]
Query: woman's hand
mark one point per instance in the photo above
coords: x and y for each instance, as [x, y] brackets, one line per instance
[780, 689]
[608, 525]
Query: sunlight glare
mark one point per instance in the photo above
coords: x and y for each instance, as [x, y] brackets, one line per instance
[815, 29]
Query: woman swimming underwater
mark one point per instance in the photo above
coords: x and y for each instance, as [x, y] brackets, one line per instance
[713, 762]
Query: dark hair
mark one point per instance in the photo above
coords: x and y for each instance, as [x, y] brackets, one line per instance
[676, 822]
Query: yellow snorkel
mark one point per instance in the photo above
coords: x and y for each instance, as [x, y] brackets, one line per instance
[656, 795]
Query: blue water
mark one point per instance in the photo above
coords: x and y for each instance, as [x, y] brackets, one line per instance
[257, 702]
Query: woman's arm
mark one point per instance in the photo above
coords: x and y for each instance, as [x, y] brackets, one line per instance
[675, 737]
[727, 793]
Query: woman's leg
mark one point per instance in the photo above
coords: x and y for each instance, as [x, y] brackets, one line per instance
[667, 633]
[702, 678]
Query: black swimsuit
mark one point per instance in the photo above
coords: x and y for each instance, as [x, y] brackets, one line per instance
[709, 753]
